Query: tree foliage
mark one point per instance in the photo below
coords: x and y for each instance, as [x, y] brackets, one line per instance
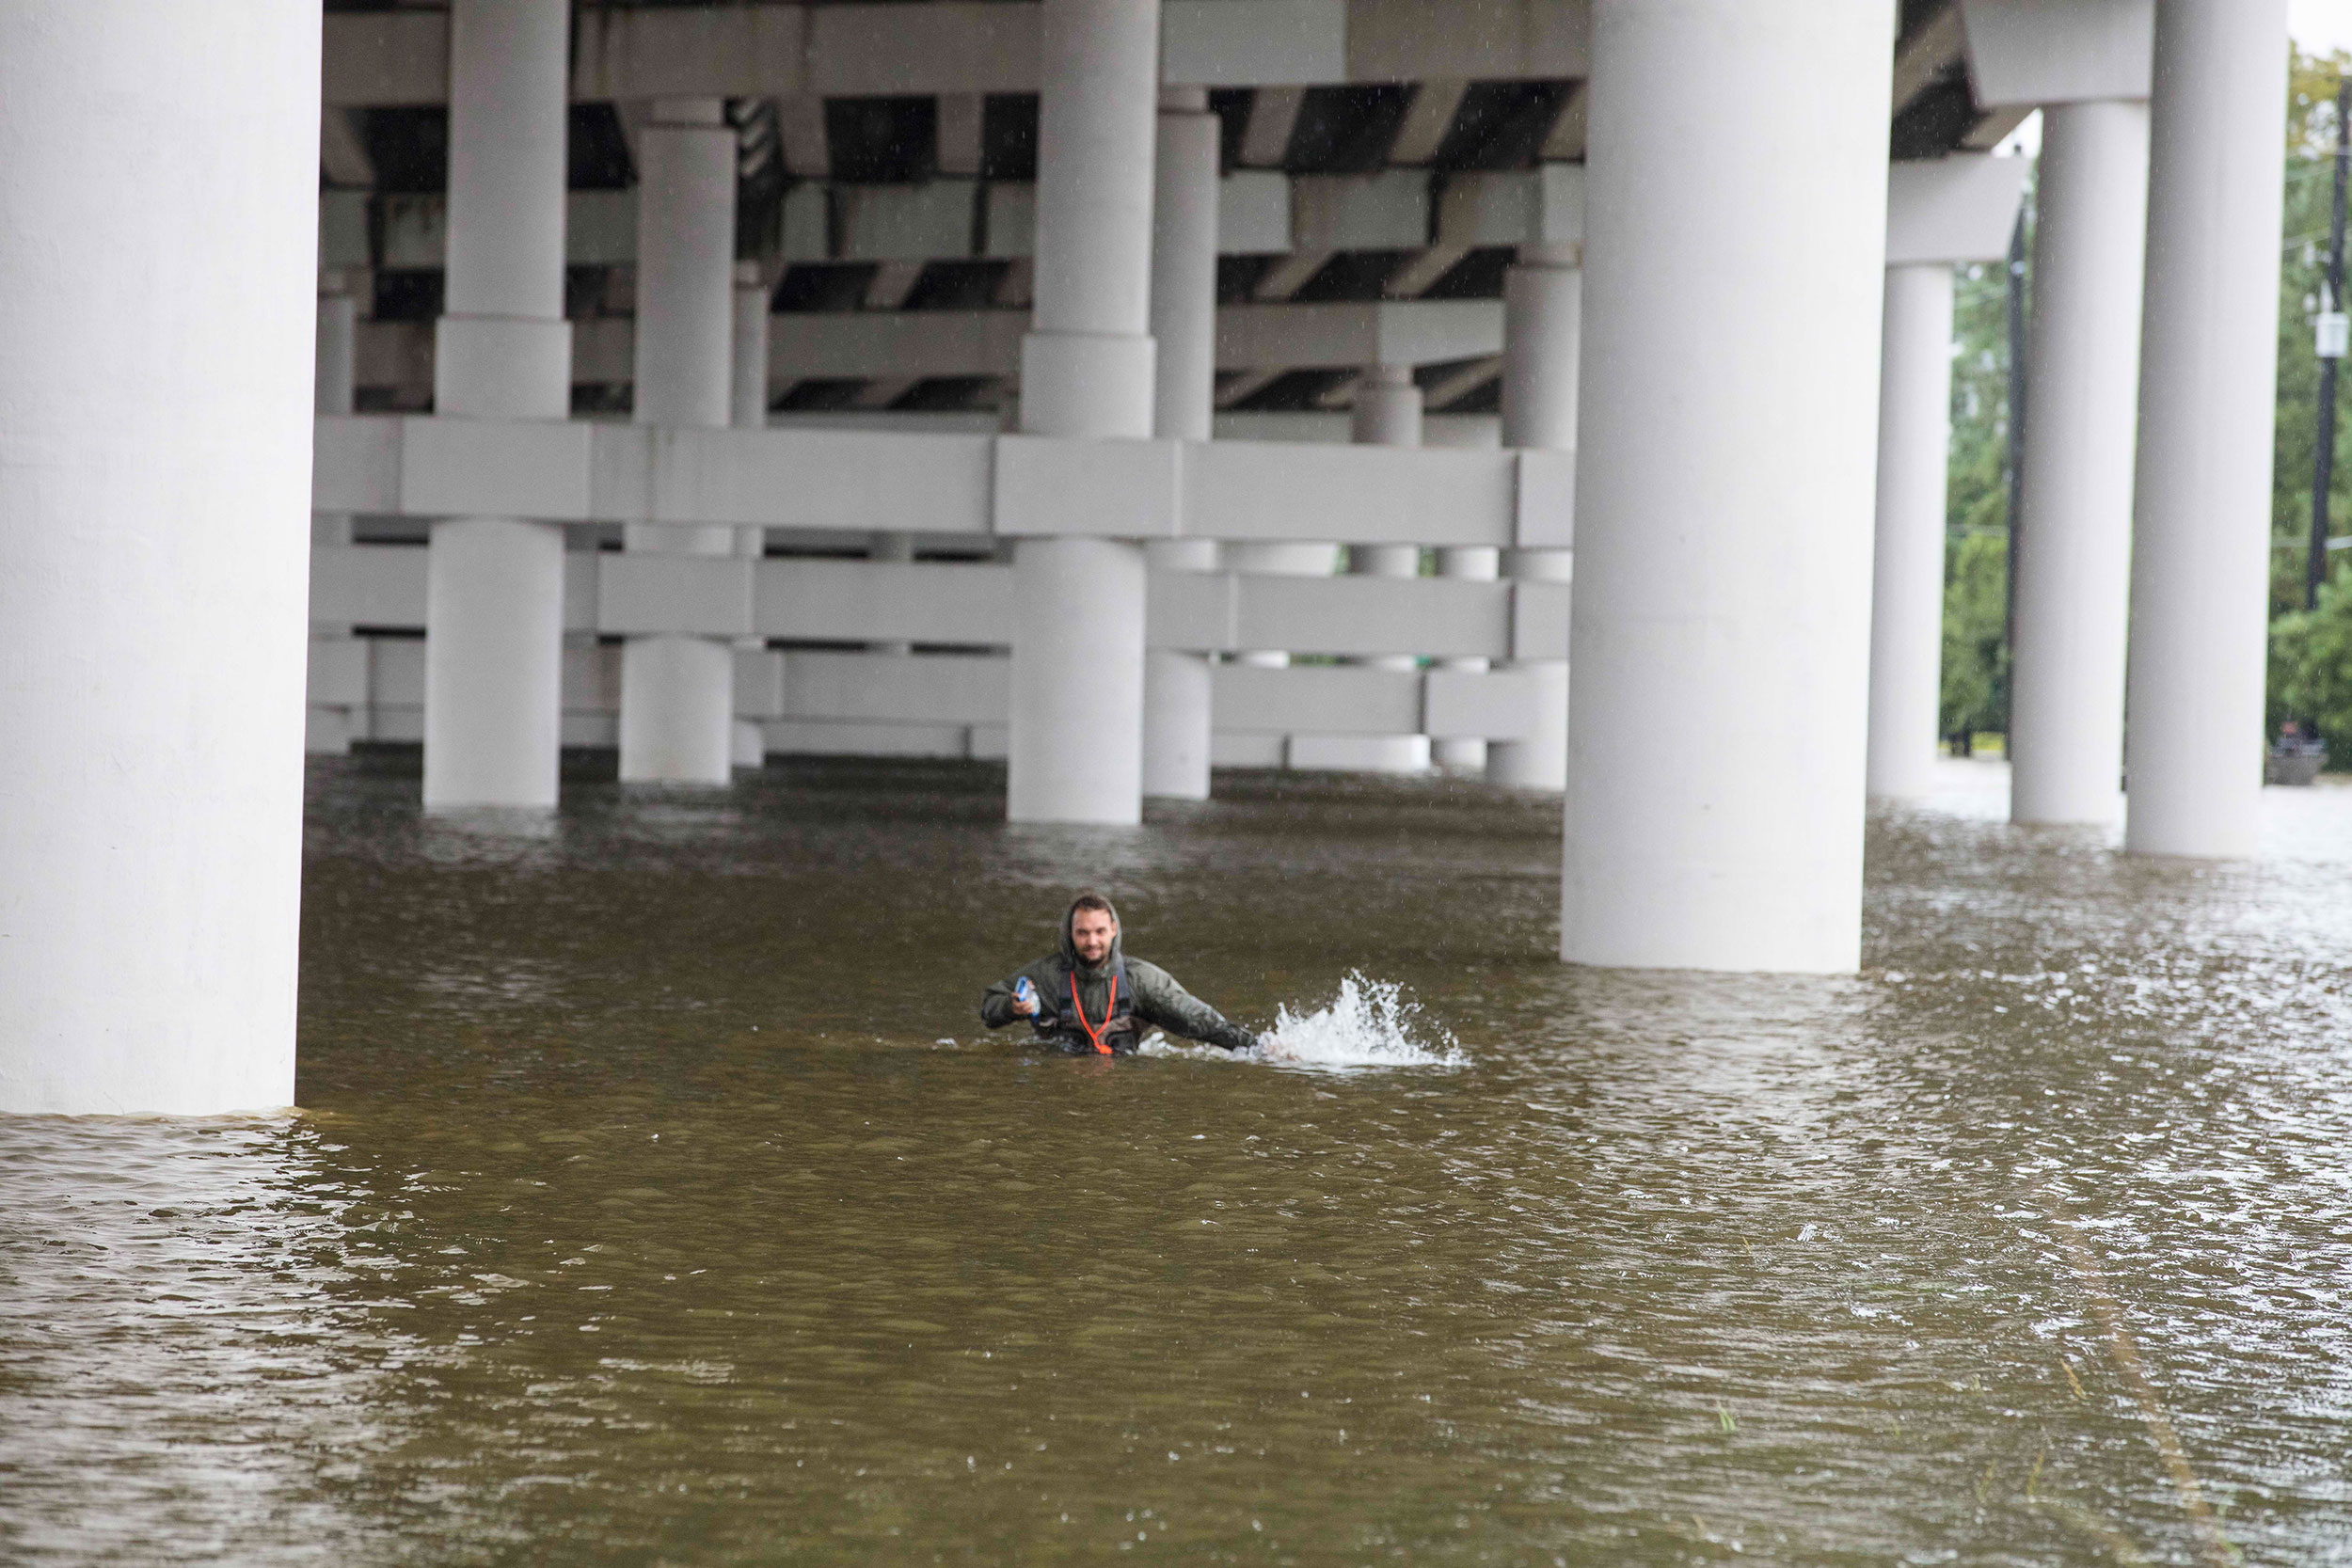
[2310, 666]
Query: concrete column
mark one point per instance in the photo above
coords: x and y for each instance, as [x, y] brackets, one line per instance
[2075, 529]
[895, 547]
[1907, 596]
[1543, 327]
[1076, 742]
[494, 604]
[1719, 667]
[327, 728]
[1475, 563]
[749, 401]
[677, 692]
[155, 425]
[1177, 716]
[1387, 414]
[2201, 562]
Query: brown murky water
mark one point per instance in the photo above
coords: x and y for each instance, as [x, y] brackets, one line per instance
[658, 1199]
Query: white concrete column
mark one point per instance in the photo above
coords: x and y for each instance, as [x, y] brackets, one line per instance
[2075, 528]
[1543, 316]
[1728, 446]
[494, 604]
[1076, 740]
[1388, 413]
[2201, 566]
[748, 401]
[327, 729]
[155, 429]
[1177, 716]
[677, 692]
[1474, 564]
[892, 546]
[1907, 595]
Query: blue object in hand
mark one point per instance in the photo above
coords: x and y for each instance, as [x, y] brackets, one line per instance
[1023, 990]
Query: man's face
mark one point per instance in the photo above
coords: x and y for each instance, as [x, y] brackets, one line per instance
[1092, 932]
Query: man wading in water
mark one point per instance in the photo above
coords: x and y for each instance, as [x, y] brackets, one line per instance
[1091, 998]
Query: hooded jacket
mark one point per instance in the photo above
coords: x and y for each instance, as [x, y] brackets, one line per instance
[1146, 996]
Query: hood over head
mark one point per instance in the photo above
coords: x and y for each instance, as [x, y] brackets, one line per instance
[1070, 943]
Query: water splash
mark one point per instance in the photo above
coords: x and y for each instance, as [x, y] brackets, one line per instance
[1369, 1023]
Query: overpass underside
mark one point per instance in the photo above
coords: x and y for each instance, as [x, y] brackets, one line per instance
[1114, 386]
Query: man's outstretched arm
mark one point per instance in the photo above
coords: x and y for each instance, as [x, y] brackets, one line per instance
[996, 1009]
[1159, 1000]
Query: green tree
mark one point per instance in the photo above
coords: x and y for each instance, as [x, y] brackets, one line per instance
[2310, 142]
[1975, 662]
[1976, 557]
[2310, 666]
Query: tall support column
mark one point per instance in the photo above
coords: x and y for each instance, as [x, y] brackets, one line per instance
[1177, 714]
[2200, 565]
[1472, 563]
[155, 429]
[1543, 317]
[677, 692]
[748, 401]
[1387, 414]
[1907, 594]
[327, 728]
[494, 598]
[1077, 743]
[2073, 557]
[1719, 661]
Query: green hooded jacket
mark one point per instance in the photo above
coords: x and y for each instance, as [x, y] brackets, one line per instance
[1146, 996]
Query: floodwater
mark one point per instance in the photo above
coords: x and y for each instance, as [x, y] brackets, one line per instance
[657, 1199]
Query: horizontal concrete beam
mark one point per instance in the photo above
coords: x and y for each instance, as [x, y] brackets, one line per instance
[863, 345]
[1259, 212]
[1957, 209]
[1401, 332]
[2028, 53]
[383, 587]
[865, 481]
[850, 51]
[380, 681]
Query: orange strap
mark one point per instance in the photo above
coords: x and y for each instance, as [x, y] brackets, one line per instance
[1101, 1046]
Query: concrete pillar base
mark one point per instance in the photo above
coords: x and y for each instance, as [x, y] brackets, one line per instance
[1076, 741]
[493, 663]
[1176, 699]
[677, 711]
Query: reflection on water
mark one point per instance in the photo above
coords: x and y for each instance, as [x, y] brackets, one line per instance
[659, 1199]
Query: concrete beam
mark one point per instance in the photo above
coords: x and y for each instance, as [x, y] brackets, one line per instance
[384, 587]
[963, 46]
[848, 345]
[2029, 53]
[1933, 50]
[1956, 209]
[1259, 212]
[581, 471]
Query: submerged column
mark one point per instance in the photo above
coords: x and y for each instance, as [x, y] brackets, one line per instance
[1543, 315]
[1719, 664]
[677, 692]
[155, 432]
[1907, 596]
[2075, 525]
[1177, 683]
[494, 600]
[1474, 564]
[328, 727]
[749, 412]
[1076, 744]
[1387, 414]
[2200, 565]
